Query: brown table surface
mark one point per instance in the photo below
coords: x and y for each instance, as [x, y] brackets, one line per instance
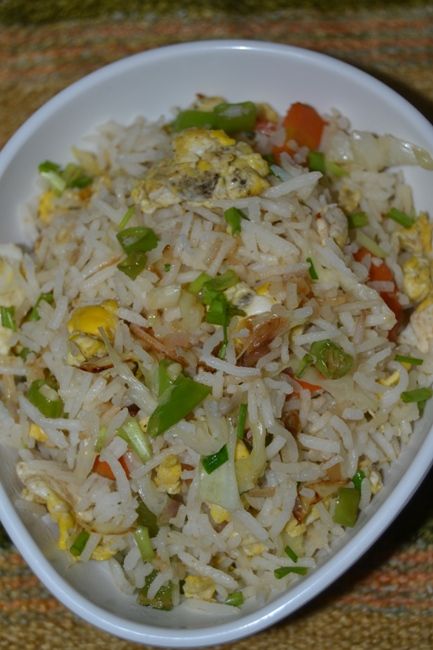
[386, 600]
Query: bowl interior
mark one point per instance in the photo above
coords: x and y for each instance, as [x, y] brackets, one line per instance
[152, 84]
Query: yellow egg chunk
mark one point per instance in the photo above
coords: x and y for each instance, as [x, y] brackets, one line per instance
[90, 319]
[102, 553]
[418, 238]
[37, 433]
[204, 165]
[60, 513]
[241, 450]
[416, 278]
[199, 587]
[421, 322]
[219, 515]
[46, 207]
[392, 380]
[168, 473]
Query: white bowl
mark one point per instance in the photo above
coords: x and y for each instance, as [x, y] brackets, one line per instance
[151, 84]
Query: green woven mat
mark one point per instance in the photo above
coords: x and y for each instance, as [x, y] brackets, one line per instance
[385, 602]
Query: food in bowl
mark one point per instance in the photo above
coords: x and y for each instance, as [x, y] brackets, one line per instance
[217, 346]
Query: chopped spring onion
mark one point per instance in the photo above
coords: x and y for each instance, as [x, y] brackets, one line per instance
[400, 217]
[283, 571]
[126, 218]
[330, 359]
[137, 239]
[24, 353]
[51, 172]
[236, 599]
[34, 312]
[166, 376]
[213, 461]
[413, 361]
[346, 506]
[142, 539]
[133, 264]
[191, 118]
[291, 553]
[133, 434]
[311, 269]
[416, 395]
[357, 219]
[7, 318]
[197, 285]
[176, 403]
[147, 518]
[167, 267]
[240, 428]
[79, 543]
[163, 598]
[100, 439]
[306, 361]
[75, 176]
[72, 176]
[231, 118]
[368, 243]
[45, 398]
[234, 217]
[316, 161]
[357, 479]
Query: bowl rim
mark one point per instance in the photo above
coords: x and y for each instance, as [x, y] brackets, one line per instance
[350, 551]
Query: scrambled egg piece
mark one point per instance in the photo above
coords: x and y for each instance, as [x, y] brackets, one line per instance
[199, 587]
[59, 510]
[294, 528]
[250, 301]
[219, 515]
[241, 450]
[102, 552]
[205, 164]
[252, 547]
[84, 325]
[37, 433]
[418, 238]
[168, 474]
[421, 322]
[416, 278]
[391, 380]
[46, 207]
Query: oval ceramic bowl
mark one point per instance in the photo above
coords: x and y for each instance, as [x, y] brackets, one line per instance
[151, 84]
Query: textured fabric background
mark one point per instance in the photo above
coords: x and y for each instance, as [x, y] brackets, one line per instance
[385, 602]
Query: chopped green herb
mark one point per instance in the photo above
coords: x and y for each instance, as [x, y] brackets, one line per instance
[191, 118]
[167, 267]
[357, 219]
[163, 598]
[357, 479]
[306, 361]
[147, 518]
[240, 428]
[212, 462]
[416, 395]
[400, 217]
[126, 218]
[330, 359]
[142, 539]
[34, 312]
[45, 398]
[234, 217]
[311, 270]
[413, 361]
[197, 285]
[231, 118]
[137, 239]
[346, 507]
[316, 161]
[176, 403]
[132, 433]
[291, 553]
[236, 599]
[79, 543]
[7, 318]
[133, 264]
[283, 571]
[72, 176]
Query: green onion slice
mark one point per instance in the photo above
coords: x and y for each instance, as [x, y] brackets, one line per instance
[312, 270]
[414, 361]
[283, 571]
[357, 479]
[7, 318]
[133, 264]
[212, 462]
[368, 243]
[330, 359]
[234, 217]
[400, 217]
[236, 599]
[126, 218]
[357, 219]
[147, 518]
[79, 543]
[346, 507]
[291, 553]
[45, 398]
[163, 598]
[132, 433]
[316, 161]
[137, 239]
[242, 417]
[416, 395]
[142, 539]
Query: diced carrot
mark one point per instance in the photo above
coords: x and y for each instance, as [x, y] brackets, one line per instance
[102, 468]
[304, 125]
[307, 386]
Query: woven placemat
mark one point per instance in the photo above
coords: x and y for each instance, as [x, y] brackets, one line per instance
[385, 601]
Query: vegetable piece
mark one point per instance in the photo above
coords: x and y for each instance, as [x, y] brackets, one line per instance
[190, 118]
[102, 468]
[133, 264]
[346, 507]
[242, 417]
[413, 361]
[51, 172]
[291, 553]
[330, 359]
[368, 243]
[234, 217]
[100, 438]
[176, 403]
[75, 176]
[79, 543]
[147, 518]
[34, 312]
[167, 267]
[357, 479]
[72, 176]
[142, 539]
[45, 398]
[357, 219]
[283, 571]
[312, 270]
[126, 218]
[165, 379]
[7, 318]
[233, 118]
[304, 125]
[197, 285]
[416, 395]
[400, 217]
[316, 161]
[132, 433]
[163, 598]
[306, 385]
[213, 461]
[236, 599]
[137, 239]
